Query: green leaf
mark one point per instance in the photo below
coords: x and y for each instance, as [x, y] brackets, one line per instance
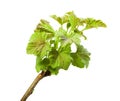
[61, 59]
[61, 32]
[36, 36]
[38, 45]
[81, 57]
[45, 26]
[58, 19]
[80, 33]
[75, 38]
[41, 64]
[92, 23]
[73, 20]
[38, 65]
[68, 25]
[53, 71]
[69, 39]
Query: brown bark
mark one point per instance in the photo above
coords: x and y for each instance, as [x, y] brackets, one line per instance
[33, 85]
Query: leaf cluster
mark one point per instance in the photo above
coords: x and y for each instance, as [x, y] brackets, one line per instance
[52, 48]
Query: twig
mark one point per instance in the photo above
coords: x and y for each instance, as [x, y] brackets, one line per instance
[34, 83]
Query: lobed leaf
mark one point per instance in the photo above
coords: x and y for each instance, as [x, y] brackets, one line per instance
[92, 23]
[69, 39]
[61, 58]
[38, 45]
[81, 57]
[73, 20]
[45, 26]
[41, 64]
[60, 20]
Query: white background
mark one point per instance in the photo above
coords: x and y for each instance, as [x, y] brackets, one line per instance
[100, 82]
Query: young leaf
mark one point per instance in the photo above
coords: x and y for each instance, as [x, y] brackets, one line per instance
[61, 32]
[92, 23]
[77, 31]
[38, 45]
[75, 38]
[69, 39]
[38, 65]
[61, 59]
[53, 71]
[58, 19]
[41, 64]
[81, 57]
[45, 26]
[73, 20]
